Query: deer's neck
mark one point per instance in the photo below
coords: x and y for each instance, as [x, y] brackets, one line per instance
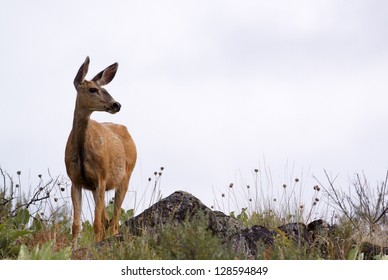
[80, 125]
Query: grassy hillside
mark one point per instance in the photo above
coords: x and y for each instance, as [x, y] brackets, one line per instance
[37, 225]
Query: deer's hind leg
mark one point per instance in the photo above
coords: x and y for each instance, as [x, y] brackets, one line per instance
[120, 193]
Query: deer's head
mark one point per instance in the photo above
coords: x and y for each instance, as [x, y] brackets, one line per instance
[91, 96]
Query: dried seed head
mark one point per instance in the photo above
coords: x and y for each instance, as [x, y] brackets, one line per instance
[149, 179]
[301, 206]
[56, 199]
[256, 170]
[296, 180]
[248, 186]
[17, 185]
[223, 195]
[231, 185]
[155, 173]
[284, 186]
[162, 168]
[316, 199]
[40, 176]
[19, 172]
[62, 189]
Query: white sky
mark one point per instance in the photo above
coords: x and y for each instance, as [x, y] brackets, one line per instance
[209, 89]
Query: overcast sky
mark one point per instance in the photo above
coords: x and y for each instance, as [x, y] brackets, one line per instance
[210, 90]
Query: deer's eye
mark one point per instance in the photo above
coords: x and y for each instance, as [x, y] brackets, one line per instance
[93, 90]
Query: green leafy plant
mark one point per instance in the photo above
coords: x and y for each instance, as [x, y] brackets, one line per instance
[124, 215]
[355, 254]
[46, 252]
[11, 231]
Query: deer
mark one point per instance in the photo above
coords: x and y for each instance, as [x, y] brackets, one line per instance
[99, 157]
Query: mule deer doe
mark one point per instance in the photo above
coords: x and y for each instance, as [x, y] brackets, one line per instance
[99, 156]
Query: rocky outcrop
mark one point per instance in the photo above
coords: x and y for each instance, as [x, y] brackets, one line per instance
[181, 206]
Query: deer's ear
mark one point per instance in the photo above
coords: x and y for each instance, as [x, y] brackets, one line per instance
[106, 75]
[83, 70]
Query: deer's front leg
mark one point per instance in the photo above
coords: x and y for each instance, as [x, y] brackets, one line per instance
[76, 197]
[99, 196]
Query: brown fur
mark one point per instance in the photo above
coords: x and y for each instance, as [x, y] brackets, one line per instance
[99, 156]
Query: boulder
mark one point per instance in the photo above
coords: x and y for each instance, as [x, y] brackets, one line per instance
[180, 206]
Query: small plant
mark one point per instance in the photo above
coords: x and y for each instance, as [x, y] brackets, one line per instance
[242, 217]
[124, 215]
[381, 258]
[46, 252]
[355, 254]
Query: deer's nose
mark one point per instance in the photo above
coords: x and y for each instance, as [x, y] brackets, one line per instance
[116, 106]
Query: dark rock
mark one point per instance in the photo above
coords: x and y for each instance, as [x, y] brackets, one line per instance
[371, 250]
[175, 208]
[248, 239]
[181, 206]
[297, 231]
[319, 228]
